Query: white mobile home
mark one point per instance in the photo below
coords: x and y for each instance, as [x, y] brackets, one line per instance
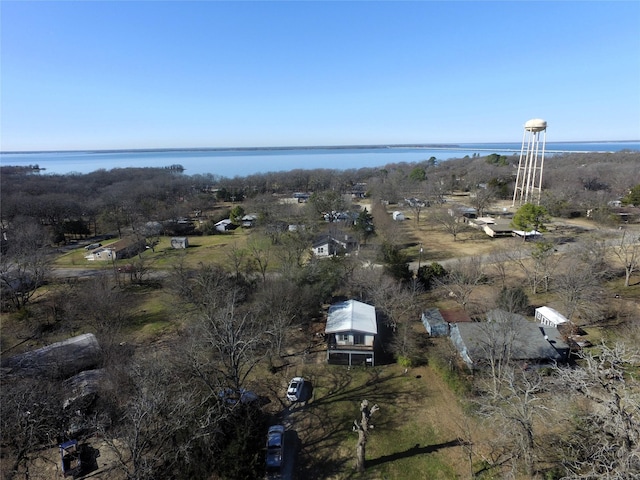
[550, 317]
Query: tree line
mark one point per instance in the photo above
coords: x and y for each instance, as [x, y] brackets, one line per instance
[166, 411]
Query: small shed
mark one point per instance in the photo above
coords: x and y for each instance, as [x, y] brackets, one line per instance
[398, 216]
[550, 317]
[179, 242]
[434, 323]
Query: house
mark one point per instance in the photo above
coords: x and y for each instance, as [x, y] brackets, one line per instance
[462, 211]
[526, 342]
[398, 216]
[549, 317]
[125, 248]
[480, 222]
[301, 197]
[102, 253]
[351, 331]
[455, 316]
[225, 225]
[249, 221]
[344, 217]
[336, 243]
[434, 323]
[437, 322]
[359, 190]
[498, 229]
[179, 242]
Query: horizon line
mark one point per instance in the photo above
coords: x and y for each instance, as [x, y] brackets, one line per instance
[443, 145]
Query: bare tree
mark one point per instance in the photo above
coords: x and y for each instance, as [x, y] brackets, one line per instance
[462, 278]
[482, 198]
[261, 255]
[362, 429]
[605, 414]
[160, 419]
[237, 257]
[416, 206]
[580, 291]
[280, 303]
[499, 262]
[537, 263]
[495, 342]
[296, 247]
[449, 221]
[514, 411]
[233, 343]
[31, 417]
[628, 253]
[98, 302]
[25, 263]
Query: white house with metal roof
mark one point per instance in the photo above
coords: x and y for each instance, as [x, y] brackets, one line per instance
[351, 331]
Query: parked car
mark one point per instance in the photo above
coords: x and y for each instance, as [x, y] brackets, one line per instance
[275, 447]
[294, 391]
[93, 246]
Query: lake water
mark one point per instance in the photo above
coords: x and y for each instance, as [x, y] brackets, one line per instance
[242, 162]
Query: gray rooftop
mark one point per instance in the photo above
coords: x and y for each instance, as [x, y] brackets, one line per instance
[527, 340]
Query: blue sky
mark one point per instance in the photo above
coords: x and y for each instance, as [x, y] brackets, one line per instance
[161, 74]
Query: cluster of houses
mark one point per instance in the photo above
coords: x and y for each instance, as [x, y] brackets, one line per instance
[545, 341]
[352, 328]
[492, 226]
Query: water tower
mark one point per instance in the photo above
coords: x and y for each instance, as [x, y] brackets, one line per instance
[529, 177]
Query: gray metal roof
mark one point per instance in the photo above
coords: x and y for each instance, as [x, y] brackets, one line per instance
[526, 339]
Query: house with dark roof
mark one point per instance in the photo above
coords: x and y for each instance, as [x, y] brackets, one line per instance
[526, 342]
[351, 333]
[249, 220]
[334, 243]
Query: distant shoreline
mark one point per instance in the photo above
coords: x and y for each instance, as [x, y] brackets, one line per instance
[434, 146]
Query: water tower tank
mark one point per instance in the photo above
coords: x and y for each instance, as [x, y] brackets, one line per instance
[536, 125]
